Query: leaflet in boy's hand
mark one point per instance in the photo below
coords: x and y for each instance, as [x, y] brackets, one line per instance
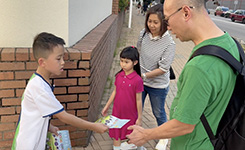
[60, 142]
[112, 121]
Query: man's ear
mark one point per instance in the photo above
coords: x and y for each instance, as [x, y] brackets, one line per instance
[187, 12]
[41, 62]
[135, 62]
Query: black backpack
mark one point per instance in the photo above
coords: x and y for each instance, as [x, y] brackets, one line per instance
[231, 129]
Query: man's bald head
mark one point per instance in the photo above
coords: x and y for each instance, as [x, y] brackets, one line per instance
[173, 4]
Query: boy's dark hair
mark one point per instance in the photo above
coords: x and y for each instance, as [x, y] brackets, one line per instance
[131, 53]
[44, 43]
[158, 10]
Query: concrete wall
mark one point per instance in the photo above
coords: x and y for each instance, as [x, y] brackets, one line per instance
[85, 15]
[69, 19]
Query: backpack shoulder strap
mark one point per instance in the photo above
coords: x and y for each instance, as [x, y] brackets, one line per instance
[229, 59]
[224, 55]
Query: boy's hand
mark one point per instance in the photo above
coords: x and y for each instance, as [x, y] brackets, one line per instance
[53, 129]
[100, 128]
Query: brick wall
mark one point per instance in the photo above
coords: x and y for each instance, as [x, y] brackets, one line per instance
[115, 7]
[79, 88]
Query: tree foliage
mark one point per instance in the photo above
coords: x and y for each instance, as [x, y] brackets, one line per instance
[123, 4]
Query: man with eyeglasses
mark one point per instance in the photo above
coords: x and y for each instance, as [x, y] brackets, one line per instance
[204, 86]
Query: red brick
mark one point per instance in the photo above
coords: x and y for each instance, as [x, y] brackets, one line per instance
[12, 66]
[79, 142]
[64, 105]
[72, 112]
[67, 98]
[84, 64]
[23, 74]
[78, 73]
[66, 55]
[78, 89]
[11, 101]
[6, 93]
[70, 128]
[62, 75]
[10, 118]
[7, 126]
[78, 134]
[8, 135]
[83, 81]
[6, 75]
[74, 54]
[31, 65]
[60, 90]
[77, 105]
[8, 54]
[12, 84]
[83, 97]
[31, 55]
[7, 111]
[70, 64]
[86, 56]
[18, 108]
[19, 92]
[82, 113]
[5, 144]
[65, 82]
[1, 136]
[84, 118]
[57, 122]
[22, 54]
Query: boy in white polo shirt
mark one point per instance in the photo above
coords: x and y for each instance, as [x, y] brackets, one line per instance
[38, 101]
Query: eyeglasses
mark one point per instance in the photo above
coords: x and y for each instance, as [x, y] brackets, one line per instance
[167, 18]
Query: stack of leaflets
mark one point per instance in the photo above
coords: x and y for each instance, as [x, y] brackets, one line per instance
[113, 122]
[60, 142]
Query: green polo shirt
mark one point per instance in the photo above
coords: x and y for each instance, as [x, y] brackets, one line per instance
[205, 85]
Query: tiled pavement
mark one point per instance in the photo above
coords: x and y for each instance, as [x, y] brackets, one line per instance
[129, 36]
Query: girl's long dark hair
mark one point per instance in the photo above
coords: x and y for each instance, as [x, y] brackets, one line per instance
[131, 53]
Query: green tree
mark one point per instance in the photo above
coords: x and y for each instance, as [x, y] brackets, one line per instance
[123, 4]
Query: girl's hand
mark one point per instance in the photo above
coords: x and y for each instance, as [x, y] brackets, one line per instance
[53, 129]
[104, 111]
[139, 122]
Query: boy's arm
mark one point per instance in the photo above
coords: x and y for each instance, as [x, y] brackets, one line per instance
[80, 123]
[109, 102]
[139, 108]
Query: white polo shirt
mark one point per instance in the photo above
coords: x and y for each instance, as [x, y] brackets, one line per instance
[37, 106]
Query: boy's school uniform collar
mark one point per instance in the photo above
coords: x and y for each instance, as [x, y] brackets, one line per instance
[130, 76]
[52, 87]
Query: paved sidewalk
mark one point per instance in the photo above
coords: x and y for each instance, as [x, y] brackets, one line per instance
[129, 37]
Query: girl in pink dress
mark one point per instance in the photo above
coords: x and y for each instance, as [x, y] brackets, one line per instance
[127, 95]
